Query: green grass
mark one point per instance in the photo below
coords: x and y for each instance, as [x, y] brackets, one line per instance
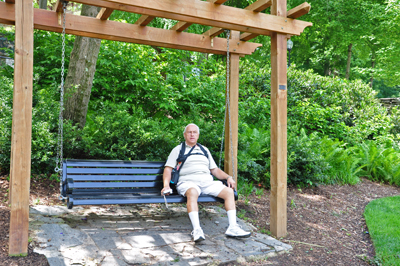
[383, 221]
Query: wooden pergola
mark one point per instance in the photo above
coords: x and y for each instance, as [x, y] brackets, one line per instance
[245, 24]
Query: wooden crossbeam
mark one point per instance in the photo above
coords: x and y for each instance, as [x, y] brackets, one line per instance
[59, 6]
[104, 13]
[182, 25]
[118, 31]
[299, 10]
[257, 6]
[10, 1]
[144, 20]
[205, 13]
[293, 13]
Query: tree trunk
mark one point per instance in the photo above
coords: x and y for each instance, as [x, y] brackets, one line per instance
[43, 4]
[82, 66]
[371, 81]
[348, 61]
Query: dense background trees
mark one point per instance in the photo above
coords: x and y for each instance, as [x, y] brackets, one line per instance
[143, 96]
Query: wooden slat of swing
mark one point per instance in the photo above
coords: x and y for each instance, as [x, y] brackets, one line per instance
[98, 182]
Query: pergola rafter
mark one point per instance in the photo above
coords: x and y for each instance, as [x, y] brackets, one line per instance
[244, 24]
[96, 28]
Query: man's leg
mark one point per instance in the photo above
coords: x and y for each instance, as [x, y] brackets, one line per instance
[234, 229]
[192, 196]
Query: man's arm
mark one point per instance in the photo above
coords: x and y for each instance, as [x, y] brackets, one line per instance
[166, 178]
[221, 175]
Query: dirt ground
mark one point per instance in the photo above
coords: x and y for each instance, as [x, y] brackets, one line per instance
[325, 224]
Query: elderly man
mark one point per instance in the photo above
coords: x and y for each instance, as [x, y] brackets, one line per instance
[195, 178]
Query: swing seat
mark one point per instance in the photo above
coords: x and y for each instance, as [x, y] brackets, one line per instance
[99, 182]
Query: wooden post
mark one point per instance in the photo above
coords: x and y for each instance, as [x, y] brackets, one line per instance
[278, 198]
[234, 106]
[21, 129]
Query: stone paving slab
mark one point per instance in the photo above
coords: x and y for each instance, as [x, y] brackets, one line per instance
[141, 235]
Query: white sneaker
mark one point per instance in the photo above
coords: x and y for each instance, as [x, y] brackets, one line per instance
[236, 231]
[198, 235]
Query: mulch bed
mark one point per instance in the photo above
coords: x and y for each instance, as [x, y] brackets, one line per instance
[325, 224]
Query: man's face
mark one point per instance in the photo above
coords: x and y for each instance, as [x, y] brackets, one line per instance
[191, 135]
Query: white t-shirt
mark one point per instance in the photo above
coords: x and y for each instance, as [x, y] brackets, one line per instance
[196, 167]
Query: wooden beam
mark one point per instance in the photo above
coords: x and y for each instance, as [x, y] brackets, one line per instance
[257, 6]
[118, 31]
[104, 13]
[205, 13]
[59, 6]
[246, 36]
[182, 25]
[10, 1]
[144, 20]
[234, 111]
[213, 32]
[299, 10]
[20, 167]
[278, 199]
[293, 13]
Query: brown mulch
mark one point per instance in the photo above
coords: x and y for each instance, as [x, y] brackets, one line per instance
[325, 224]
[42, 191]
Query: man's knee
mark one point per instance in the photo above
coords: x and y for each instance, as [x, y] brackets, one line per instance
[192, 193]
[227, 193]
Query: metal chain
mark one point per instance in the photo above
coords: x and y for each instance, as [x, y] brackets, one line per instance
[60, 144]
[227, 107]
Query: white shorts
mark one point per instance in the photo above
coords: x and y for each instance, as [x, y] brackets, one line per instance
[208, 188]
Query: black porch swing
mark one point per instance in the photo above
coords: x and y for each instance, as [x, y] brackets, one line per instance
[104, 182]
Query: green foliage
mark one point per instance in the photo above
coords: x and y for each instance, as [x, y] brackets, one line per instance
[335, 107]
[6, 86]
[382, 217]
[306, 166]
[379, 162]
[344, 165]
[253, 155]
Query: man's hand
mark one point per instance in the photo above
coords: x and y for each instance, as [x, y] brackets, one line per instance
[231, 182]
[165, 189]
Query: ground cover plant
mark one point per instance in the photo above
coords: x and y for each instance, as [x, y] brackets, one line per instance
[382, 217]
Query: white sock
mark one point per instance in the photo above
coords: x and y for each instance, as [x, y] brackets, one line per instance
[231, 217]
[194, 218]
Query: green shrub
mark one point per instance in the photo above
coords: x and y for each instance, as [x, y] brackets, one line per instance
[254, 155]
[6, 88]
[306, 166]
[379, 162]
[344, 165]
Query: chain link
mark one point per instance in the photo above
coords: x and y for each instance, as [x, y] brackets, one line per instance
[60, 144]
[227, 108]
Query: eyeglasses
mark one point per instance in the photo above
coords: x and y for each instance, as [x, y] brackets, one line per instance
[192, 132]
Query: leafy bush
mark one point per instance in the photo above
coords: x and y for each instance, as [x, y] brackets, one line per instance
[344, 165]
[306, 166]
[6, 88]
[379, 162]
[254, 155]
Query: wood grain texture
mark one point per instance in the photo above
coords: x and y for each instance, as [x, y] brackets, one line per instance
[234, 112]
[205, 13]
[20, 171]
[278, 198]
[118, 31]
